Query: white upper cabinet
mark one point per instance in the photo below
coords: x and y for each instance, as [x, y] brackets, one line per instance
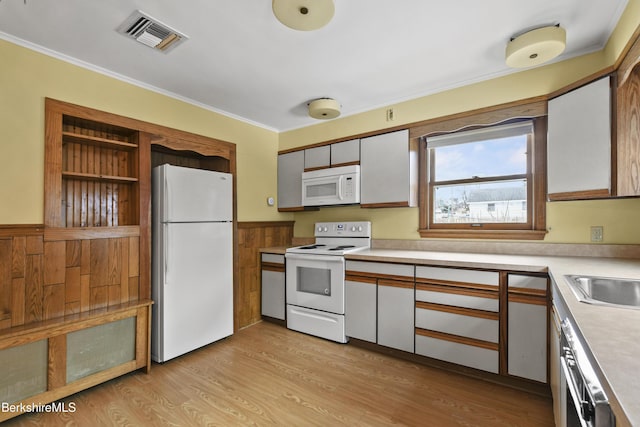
[388, 170]
[317, 157]
[290, 168]
[345, 152]
[579, 142]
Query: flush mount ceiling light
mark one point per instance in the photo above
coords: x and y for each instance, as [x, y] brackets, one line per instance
[536, 47]
[303, 15]
[324, 109]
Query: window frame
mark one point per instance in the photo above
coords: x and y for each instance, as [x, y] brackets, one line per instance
[536, 174]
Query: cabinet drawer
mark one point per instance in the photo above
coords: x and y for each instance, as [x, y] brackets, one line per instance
[458, 275]
[458, 300]
[527, 282]
[273, 258]
[461, 354]
[458, 324]
[381, 269]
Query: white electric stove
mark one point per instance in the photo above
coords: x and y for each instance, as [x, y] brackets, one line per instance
[315, 278]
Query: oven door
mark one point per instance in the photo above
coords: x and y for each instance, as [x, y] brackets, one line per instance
[315, 281]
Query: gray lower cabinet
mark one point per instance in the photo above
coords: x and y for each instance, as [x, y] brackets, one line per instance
[457, 316]
[395, 317]
[527, 336]
[361, 307]
[379, 303]
[273, 286]
[290, 168]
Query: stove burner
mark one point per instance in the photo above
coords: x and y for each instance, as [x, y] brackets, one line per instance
[315, 246]
[341, 247]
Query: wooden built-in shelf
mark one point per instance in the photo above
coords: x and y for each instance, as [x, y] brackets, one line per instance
[97, 141]
[96, 177]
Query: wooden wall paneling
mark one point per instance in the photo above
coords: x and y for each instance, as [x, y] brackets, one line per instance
[142, 265]
[5, 281]
[53, 303]
[34, 270]
[251, 237]
[55, 262]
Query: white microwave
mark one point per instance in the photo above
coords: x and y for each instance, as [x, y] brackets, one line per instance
[331, 186]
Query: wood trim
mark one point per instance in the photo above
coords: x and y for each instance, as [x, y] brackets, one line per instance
[481, 291]
[71, 388]
[367, 274]
[360, 279]
[339, 165]
[395, 283]
[451, 283]
[630, 59]
[144, 214]
[254, 224]
[525, 108]
[580, 195]
[385, 205]
[537, 293]
[463, 311]
[485, 234]
[57, 362]
[457, 339]
[87, 233]
[295, 209]
[272, 266]
[52, 164]
[528, 299]
[317, 168]
[10, 230]
[503, 328]
[345, 138]
[50, 328]
[583, 81]
[165, 136]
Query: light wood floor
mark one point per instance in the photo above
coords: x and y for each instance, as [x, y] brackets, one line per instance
[268, 375]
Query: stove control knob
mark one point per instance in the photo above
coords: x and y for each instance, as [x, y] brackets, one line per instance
[325, 229]
[319, 229]
[353, 228]
[360, 228]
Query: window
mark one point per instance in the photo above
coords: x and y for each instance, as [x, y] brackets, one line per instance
[485, 182]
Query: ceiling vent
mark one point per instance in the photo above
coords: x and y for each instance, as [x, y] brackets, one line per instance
[151, 32]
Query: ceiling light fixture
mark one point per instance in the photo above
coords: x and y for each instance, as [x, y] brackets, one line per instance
[324, 109]
[303, 15]
[536, 47]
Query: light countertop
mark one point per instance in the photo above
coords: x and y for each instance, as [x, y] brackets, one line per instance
[612, 334]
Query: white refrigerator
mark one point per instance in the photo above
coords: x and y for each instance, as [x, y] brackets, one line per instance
[192, 259]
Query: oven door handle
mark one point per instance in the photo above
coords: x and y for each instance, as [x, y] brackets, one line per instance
[315, 258]
[573, 391]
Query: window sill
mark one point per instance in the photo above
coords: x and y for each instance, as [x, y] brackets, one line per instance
[484, 234]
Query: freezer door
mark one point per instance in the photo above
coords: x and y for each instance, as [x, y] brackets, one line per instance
[193, 288]
[192, 195]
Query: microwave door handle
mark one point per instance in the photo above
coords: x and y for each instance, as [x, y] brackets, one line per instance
[341, 187]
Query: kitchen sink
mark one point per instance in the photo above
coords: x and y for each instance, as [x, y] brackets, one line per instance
[606, 290]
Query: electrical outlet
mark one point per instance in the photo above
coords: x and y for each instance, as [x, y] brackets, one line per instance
[596, 233]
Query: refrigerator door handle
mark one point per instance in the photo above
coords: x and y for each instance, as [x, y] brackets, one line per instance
[165, 250]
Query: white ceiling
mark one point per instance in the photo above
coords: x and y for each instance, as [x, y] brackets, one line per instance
[242, 62]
